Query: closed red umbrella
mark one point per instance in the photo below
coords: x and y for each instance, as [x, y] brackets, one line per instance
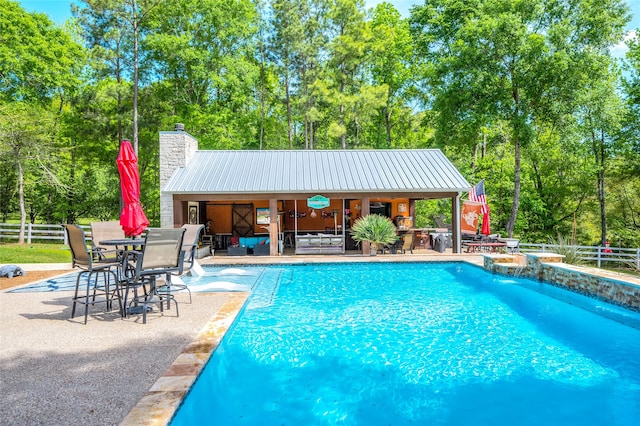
[486, 224]
[132, 218]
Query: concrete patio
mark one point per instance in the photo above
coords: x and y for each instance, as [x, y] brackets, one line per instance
[56, 370]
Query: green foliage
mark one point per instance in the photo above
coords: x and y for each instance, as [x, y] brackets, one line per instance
[34, 253]
[428, 210]
[378, 230]
[510, 63]
[564, 247]
[38, 60]
[520, 93]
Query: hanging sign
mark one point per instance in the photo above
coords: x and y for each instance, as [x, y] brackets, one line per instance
[318, 202]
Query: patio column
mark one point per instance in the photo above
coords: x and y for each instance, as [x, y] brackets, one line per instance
[455, 223]
[273, 227]
[364, 211]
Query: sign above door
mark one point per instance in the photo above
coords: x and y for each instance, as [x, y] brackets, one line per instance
[318, 202]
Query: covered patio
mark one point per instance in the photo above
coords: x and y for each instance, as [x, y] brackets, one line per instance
[300, 201]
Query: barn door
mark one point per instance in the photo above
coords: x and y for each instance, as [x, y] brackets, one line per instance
[242, 220]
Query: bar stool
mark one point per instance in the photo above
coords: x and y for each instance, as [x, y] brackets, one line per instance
[94, 264]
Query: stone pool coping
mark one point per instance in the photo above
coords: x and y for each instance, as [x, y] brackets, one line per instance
[159, 404]
[616, 288]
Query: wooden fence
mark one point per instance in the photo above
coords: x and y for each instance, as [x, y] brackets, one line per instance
[37, 233]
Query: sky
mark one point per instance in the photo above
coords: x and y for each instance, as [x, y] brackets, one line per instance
[60, 10]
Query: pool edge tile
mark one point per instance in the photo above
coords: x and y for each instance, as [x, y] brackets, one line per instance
[161, 401]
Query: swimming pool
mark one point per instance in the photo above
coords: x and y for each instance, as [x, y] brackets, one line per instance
[434, 343]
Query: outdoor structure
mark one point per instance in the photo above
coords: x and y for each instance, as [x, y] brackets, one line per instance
[307, 199]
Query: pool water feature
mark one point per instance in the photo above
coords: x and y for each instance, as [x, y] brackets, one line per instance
[427, 343]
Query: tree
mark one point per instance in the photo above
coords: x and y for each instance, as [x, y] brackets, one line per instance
[24, 143]
[203, 54]
[391, 48]
[38, 61]
[107, 37]
[284, 44]
[40, 68]
[512, 61]
[601, 114]
[624, 212]
[348, 54]
[309, 65]
[114, 30]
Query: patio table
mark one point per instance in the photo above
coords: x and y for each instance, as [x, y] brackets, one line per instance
[131, 247]
[123, 242]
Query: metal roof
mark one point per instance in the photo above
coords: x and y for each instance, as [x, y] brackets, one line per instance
[312, 171]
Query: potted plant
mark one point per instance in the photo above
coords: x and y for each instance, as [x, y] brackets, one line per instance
[376, 229]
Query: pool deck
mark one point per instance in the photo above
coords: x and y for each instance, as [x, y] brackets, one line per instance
[56, 370]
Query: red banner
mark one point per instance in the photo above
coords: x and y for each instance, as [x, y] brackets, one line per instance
[469, 218]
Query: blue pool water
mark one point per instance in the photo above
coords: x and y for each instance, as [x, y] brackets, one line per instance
[427, 344]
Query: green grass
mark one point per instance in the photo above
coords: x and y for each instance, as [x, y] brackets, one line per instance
[34, 253]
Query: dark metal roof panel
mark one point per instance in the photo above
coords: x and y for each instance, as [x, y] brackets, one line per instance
[349, 171]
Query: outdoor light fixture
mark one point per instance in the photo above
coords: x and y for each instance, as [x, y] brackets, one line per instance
[313, 214]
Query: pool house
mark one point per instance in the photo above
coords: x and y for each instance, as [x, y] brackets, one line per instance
[302, 199]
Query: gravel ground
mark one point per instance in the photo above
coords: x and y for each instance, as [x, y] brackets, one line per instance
[58, 371]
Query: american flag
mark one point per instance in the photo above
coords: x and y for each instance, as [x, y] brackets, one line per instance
[477, 194]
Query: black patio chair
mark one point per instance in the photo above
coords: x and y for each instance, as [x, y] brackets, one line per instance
[407, 243]
[94, 264]
[190, 246]
[162, 254]
[105, 230]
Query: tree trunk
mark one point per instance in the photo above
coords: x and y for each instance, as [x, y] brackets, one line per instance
[288, 102]
[387, 123]
[516, 175]
[307, 122]
[474, 159]
[71, 197]
[484, 144]
[516, 188]
[119, 101]
[135, 77]
[343, 136]
[262, 89]
[23, 212]
[600, 160]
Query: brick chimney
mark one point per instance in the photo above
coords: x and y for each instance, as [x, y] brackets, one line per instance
[176, 149]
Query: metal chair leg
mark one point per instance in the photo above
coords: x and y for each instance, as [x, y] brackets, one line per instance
[86, 298]
[75, 295]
